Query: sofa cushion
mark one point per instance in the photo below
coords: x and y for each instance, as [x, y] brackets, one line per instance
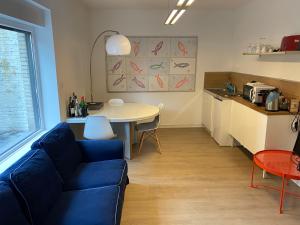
[62, 148]
[10, 210]
[98, 174]
[87, 207]
[39, 185]
[5, 176]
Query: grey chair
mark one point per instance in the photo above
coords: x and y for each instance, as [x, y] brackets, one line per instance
[149, 129]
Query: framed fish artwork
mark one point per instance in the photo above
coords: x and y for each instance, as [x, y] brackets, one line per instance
[182, 66]
[159, 82]
[155, 64]
[117, 83]
[137, 83]
[115, 65]
[181, 82]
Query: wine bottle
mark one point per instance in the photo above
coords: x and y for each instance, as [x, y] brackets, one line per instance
[83, 107]
[72, 107]
[76, 108]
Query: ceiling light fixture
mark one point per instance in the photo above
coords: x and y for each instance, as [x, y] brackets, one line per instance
[180, 3]
[189, 3]
[171, 16]
[179, 10]
[178, 16]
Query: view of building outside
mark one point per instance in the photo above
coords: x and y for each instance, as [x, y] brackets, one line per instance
[17, 92]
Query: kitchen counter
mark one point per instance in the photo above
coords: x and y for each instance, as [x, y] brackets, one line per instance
[222, 95]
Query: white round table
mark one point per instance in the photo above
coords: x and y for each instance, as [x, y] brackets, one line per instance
[127, 112]
[123, 118]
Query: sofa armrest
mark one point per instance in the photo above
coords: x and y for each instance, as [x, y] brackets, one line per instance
[99, 150]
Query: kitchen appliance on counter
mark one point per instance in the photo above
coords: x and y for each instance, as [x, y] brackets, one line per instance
[230, 89]
[272, 101]
[283, 103]
[257, 92]
[290, 43]
[247, 88]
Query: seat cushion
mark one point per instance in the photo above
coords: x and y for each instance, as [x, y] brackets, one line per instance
[10, 210]
[38, 184]
[62, 148]
[96, 206]
[98, 174]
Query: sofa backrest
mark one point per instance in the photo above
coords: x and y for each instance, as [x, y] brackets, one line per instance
[61, 146]
[10, 210]
[38, 184]
[5, 175]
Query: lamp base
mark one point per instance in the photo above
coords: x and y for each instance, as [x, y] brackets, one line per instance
[95, 105]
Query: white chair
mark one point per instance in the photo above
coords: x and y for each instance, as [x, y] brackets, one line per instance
[97, 128]
[150, 130]
[116, 101]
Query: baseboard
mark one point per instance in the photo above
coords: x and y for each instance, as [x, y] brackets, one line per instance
[181, 126]
[297, 182]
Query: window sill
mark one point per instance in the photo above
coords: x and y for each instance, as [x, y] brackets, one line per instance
[16, 155]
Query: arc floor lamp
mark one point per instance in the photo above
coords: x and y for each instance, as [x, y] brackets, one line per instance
[116, 44]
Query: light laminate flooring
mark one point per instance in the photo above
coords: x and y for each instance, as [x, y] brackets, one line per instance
[196, 182]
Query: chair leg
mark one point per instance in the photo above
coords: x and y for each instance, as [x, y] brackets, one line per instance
[158, 143]
[141, 142]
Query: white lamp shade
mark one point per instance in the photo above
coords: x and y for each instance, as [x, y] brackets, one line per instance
[118, 45]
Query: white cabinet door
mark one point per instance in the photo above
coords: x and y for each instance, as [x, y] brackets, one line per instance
[207, 110]
[248, 127]
[221, 122]
[217, 120]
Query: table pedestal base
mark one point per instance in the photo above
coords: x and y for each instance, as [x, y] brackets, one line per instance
[125, 132]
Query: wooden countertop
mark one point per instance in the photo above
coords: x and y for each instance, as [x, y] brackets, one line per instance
[260, 109]
[241, 100]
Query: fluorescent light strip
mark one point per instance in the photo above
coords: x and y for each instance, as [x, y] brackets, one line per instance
[178, 16]
[172, 14]
[189, 3]
[180, 3]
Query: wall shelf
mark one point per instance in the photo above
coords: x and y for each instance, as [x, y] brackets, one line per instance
[274, 53]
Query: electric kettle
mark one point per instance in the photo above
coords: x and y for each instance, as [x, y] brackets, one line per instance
[272, 101]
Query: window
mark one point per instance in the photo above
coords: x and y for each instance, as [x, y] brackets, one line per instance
[19, 105]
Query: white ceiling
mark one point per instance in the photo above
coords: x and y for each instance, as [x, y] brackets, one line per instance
[162, 4]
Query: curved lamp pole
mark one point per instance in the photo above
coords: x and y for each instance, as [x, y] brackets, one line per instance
[116, 44]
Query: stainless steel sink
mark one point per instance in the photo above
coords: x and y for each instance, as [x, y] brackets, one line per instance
[221, 92]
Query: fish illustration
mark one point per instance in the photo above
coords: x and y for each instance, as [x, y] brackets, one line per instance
[119, 80]
[181, 82]
[136, 47]
[157, 66]
[181, 65]
[135, 67]
[182, 48]
[159, 81]
[116, 66]
[138, 82]
[157, 47]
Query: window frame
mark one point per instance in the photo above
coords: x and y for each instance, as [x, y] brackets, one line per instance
[35, 80]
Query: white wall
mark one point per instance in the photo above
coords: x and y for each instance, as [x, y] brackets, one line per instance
[272, 19]
[70, 19]
[214, 30]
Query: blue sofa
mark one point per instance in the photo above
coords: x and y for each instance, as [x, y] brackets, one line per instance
[61, 181]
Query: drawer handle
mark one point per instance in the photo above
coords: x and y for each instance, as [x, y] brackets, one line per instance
[218, 99]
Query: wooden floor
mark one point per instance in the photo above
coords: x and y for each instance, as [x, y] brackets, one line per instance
[196, 182]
